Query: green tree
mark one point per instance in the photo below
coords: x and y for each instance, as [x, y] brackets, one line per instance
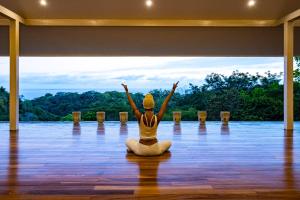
[246, 96]
[4, 98]
[297, 70]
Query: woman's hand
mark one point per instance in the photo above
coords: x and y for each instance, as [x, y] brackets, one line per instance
[175, 85]
[165, 103]
[125, 87]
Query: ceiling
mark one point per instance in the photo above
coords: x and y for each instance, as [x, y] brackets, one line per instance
[55, 40]
[162, 9]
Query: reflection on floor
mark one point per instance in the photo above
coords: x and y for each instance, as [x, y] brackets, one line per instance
[62, 161]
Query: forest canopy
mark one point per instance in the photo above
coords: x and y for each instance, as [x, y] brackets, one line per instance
[248, 98]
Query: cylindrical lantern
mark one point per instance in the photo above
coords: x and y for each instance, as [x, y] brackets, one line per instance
[177, 117]
[225, 116]
[123, 117]
[100, 117]
[202, 115]
[76, 117]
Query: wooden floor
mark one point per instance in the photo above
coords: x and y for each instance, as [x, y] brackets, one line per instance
[59, 161]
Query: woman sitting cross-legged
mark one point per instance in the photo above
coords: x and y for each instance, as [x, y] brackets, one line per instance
[148, 144]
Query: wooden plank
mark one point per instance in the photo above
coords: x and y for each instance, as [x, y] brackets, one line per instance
[14, 31]
[10, 14]
[46, 161]
[290, 17]
[288, 75]
[4, 22]
[151, 23]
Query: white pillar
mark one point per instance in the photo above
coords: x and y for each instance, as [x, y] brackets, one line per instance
[288, 76]
[14, 74]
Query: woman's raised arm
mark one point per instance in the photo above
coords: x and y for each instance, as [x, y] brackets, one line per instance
[136, 111]
[165, 104]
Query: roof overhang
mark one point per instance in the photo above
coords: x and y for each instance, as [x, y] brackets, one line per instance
[149, 37]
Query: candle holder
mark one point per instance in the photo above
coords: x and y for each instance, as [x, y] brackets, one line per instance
[100, 117]
[225, 116]
[177, 117]
[76, 117]
[202, 115]
[123, 117]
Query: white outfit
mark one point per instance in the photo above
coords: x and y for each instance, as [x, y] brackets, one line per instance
[148, 133]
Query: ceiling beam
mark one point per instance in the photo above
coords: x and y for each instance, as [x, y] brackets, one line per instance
[142, 22]
[4, 22]
[10, 14]
[290, 17]
[159, 23]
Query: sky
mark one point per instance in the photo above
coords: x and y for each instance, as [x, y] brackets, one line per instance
[39, 75]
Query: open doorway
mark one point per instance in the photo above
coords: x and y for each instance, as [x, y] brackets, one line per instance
[52, 87]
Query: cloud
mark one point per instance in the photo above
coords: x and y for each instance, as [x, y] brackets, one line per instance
[141, 73]
[129, 77]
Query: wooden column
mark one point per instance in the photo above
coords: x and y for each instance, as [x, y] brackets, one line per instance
[14, 74]
[288, 76]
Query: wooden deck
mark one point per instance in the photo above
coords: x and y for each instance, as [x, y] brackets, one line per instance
[59, 161]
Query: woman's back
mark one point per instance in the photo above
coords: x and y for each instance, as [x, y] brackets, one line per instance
[148, 126]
